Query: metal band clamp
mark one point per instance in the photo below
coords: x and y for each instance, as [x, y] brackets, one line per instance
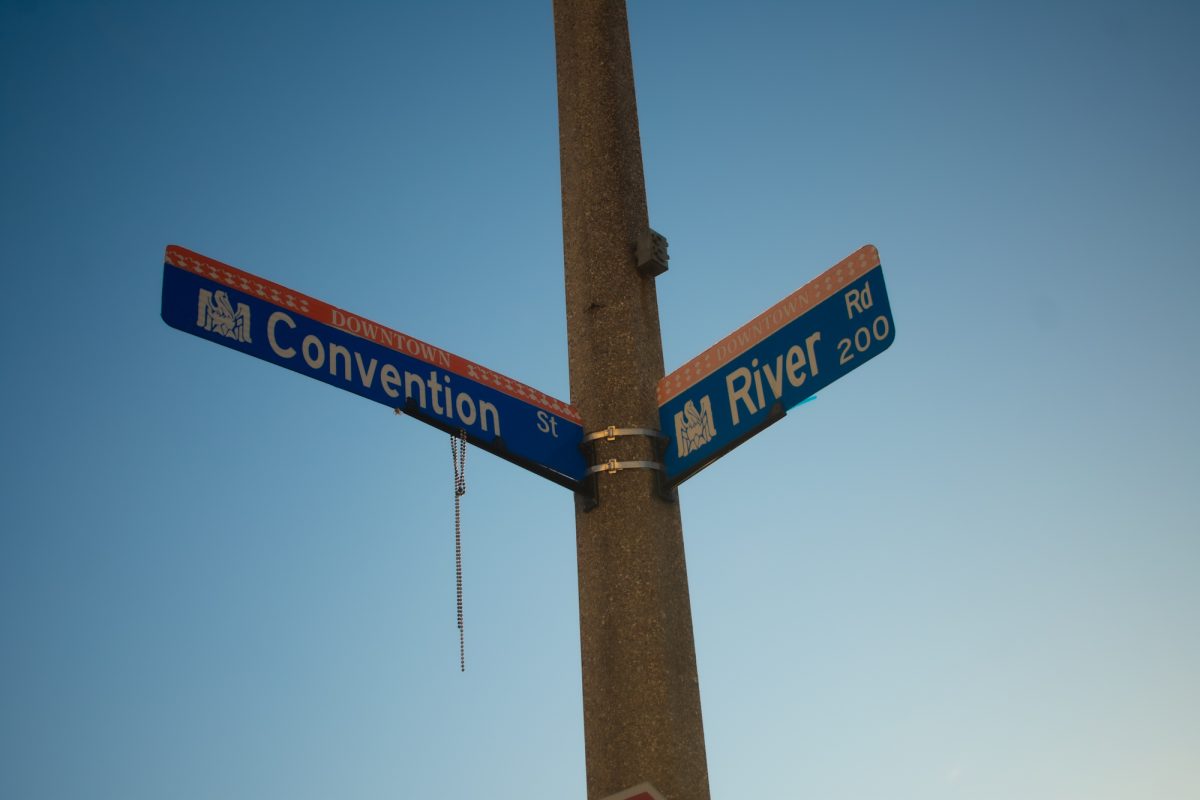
[612, 466]
[612, 432]
[590, 493]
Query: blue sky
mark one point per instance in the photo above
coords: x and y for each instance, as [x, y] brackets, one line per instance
[968, 570]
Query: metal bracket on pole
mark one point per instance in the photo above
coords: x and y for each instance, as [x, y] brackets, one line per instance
[651, 253]
[612, 466]
[590, 494]
[612, 432]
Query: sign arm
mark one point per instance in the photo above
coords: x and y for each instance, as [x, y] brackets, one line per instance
[774, 414]
[745, 382]
[495, 446]
[241, 311]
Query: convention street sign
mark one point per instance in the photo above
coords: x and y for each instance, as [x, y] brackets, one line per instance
[241, 311]
[748, 380]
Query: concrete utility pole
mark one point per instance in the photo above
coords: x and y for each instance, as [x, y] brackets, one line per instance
[641, 695]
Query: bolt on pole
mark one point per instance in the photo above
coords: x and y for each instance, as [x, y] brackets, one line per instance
[641, 695]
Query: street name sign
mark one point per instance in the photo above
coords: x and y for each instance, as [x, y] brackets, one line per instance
[226, 305]
[748, 380]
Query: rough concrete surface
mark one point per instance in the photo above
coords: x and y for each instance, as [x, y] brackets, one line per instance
[641, 697]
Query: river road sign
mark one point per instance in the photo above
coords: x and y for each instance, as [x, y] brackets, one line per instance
[798, 346]
[223, 304]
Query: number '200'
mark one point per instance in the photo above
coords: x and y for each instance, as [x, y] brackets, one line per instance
[863, 338]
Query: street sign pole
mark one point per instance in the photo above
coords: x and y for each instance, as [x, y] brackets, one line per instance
[629, 436]
[641, 696]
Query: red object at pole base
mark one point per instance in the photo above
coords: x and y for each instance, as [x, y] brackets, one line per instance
[643, 791]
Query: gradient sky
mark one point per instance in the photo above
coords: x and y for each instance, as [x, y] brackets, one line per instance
[968, 570]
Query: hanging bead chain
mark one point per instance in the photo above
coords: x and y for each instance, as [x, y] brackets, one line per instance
[458, 458]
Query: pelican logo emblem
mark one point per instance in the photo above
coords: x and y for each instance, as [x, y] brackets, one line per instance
[215, 313]
[694, 427]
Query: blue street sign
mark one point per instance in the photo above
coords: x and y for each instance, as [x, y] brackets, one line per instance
[745, 382]
[241, 311]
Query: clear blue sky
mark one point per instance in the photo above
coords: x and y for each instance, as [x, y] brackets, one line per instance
[968, 570]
